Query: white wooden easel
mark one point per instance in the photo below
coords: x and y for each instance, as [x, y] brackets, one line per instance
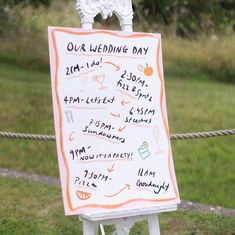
[123, 220]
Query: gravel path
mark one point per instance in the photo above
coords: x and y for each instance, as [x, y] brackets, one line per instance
[184, 205]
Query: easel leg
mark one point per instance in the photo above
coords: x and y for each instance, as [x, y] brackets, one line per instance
[90, 228]
[123, 226]
[153, 223]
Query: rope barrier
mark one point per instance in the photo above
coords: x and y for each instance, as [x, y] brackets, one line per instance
[193, 135]
[14, 135]
[205, 134]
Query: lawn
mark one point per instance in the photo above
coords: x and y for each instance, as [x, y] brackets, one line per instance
[200, 89]
[34, 208]
[204, 167]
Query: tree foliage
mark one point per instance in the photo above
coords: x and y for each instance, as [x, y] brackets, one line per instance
[8, 20]
[188, 17]
[185, 18]
[34, 3]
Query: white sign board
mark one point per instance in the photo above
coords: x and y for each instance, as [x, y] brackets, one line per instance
[111, 124]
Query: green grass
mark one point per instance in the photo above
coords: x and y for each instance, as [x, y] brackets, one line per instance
[199, 79]
[33, 208]
[24, 94]
[204, 167]
[26, 107]
[213, 58]
[199, 98]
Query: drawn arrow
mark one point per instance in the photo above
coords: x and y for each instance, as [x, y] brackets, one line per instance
[121, 129]
[116, 115]
[111, 169]
[116, 66]
[123, 102]
[70, 136]
[127, 186]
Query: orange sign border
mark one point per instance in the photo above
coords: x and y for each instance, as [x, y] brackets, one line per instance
[135, 35]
